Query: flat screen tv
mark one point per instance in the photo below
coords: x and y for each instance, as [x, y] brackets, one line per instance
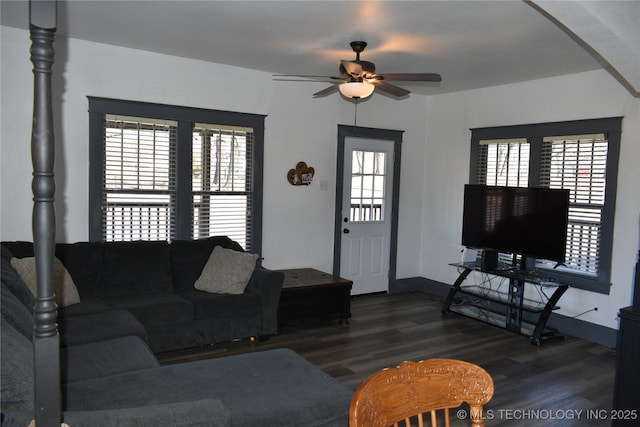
[519, 220]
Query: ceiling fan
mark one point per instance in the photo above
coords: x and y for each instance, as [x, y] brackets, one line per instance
[358, 78]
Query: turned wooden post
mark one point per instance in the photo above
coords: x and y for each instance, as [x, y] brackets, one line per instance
[42, 27]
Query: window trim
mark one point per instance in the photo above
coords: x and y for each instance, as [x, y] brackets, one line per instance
[186, 118]
[612, 128]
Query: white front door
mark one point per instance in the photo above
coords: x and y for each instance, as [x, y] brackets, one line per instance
[366, 211]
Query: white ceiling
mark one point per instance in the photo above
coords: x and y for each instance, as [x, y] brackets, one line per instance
[472, 44]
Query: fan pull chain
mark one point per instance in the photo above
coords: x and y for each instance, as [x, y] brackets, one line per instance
[355, 115]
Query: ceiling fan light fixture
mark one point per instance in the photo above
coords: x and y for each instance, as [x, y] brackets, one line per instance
[356, 89]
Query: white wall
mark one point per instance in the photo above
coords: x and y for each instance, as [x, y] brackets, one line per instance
[580, 96]
[298, 221]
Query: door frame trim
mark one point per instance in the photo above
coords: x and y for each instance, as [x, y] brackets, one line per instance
[344, 132]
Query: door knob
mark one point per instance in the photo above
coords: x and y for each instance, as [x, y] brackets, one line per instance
[345, 231]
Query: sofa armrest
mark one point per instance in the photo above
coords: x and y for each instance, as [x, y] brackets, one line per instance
[206, 412]
[267, 284]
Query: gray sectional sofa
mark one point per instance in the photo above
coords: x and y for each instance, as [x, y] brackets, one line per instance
[154, 282]
[110, 376]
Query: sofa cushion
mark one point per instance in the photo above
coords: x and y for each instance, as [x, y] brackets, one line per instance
[188, 258]
[227, 271]
[83, 260]
[135, 268]
[16, 355]
[65, 290]
[176, 336]
[156, 309]
[99, 359]
[14, 282]
[204, 412]
[101, 326]
[89, 305]
[276, 388]
[212, 306]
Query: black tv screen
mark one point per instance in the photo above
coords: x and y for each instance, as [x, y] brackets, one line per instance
[520, 220]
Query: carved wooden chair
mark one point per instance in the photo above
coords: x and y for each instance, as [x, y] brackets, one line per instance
[403, 395]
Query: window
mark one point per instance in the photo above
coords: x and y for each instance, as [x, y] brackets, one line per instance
[367, 186]
[161, 172]
[221, 185]
[578, 163]
[581, 156]
[138, 197]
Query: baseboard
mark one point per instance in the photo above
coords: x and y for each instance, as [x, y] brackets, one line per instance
[567, 325]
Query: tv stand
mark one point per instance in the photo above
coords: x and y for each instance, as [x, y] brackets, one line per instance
[498, 298]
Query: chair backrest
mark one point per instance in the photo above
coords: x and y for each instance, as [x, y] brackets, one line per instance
[403, 395]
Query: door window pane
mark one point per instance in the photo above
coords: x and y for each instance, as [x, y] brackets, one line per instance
[368, 182]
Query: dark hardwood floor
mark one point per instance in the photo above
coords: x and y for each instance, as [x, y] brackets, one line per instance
[560, 383]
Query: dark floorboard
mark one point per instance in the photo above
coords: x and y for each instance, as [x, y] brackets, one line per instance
[560, 383]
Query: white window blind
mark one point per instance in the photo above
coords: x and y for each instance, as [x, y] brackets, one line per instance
[222, 166]
[505, 162]
[578, 163]
[139, 178]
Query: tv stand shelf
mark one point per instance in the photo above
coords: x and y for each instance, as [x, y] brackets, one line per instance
[507, 308]
[500, 297]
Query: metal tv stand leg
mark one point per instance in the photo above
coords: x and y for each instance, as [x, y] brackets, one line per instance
[538, 335]
[456, 286]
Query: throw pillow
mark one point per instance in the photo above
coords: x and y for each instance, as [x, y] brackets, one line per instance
[65, 290]
[227, 271]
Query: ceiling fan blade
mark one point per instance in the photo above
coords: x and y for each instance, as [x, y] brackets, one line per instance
[306, 77]
[326, 91]
[413, 77]
[390, 89]
[353, 68]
